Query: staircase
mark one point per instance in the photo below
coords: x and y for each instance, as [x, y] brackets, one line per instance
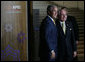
[79, 15]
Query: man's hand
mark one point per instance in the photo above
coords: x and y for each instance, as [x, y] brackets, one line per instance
[52, 54]
[75, 54]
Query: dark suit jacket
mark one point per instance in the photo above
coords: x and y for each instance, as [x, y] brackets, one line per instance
[75, 26]
[48, 38]
[66, 42]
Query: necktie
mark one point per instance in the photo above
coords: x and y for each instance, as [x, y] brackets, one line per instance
[63, 26]
[53, 21]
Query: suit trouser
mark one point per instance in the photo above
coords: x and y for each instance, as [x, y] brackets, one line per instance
[65, 57]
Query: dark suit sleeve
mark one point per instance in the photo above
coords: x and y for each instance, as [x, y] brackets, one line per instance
[50, 36]
[73, 39]
[75, 27]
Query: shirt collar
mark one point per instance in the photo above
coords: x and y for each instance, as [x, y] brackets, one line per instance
[62, 22]
[51, 18]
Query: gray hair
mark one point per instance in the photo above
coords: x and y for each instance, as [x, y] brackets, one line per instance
[62, 8]
[50, 7]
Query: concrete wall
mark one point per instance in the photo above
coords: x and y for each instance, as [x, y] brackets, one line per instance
[71, 4]
[81, 5]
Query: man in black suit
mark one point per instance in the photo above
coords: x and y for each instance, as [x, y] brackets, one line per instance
[74, 24]
[75, 27]
[67, 47]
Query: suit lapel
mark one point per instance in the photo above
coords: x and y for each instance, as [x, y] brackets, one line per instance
[51, 21]
[67, 27]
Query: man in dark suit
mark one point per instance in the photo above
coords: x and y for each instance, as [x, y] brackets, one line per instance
[72, 20]
[67, 48]
[48, 35]
[74, 23]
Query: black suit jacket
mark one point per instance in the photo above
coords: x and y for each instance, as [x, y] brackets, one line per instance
[75, 26]
[66, 42]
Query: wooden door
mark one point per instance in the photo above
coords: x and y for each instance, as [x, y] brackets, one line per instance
[14, 31]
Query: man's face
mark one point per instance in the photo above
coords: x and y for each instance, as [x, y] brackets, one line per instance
[63, 15]
[53, 13]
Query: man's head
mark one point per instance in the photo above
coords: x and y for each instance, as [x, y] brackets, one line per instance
[52, 11]
[63, 14]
